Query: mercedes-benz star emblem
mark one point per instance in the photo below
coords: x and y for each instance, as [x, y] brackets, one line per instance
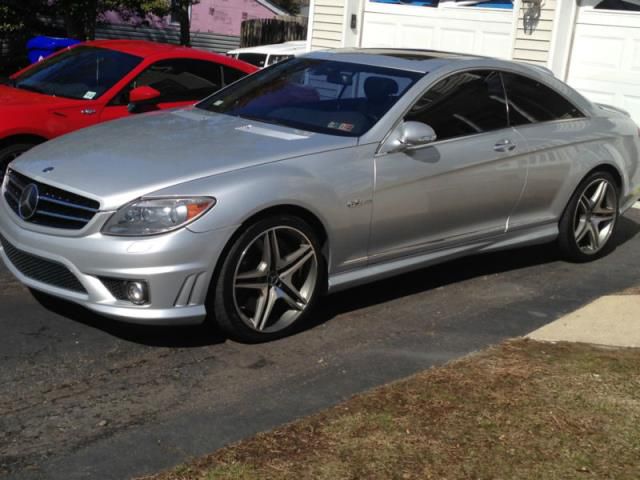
[29, 201]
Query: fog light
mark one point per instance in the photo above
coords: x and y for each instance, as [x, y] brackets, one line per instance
[137, 293]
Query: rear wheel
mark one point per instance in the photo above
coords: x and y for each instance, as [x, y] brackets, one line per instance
[269, 280]
[9, 154]
[590, 220]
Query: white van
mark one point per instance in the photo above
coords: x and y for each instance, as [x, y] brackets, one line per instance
[266, 55]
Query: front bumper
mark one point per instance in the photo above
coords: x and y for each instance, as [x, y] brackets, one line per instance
[177, 267]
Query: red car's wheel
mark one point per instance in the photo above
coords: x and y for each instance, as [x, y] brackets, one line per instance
[9, 154]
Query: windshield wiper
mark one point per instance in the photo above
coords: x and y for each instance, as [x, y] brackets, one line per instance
[272, 121]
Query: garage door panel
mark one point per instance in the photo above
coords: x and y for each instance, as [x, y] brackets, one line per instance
[605, 62]
[597, 52]
[453, 29]
[457, 40]
[635, 56]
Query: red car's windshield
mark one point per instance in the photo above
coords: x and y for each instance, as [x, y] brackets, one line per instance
[81, 73]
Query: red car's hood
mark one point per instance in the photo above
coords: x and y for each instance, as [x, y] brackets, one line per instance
[16, 97]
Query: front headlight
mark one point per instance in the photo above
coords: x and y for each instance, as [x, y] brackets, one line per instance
[151, 216]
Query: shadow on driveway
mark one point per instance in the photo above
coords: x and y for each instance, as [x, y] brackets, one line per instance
[339, 303]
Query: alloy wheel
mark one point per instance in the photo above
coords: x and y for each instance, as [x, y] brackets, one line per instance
[274, 279]
[595, 216]
[5, 160]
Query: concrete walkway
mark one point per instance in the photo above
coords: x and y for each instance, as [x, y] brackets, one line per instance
[611, 321]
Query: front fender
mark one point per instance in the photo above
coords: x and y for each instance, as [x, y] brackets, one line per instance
[324, 184]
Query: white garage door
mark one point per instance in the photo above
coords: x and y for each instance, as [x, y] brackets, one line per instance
[481, 31]
[605, 62]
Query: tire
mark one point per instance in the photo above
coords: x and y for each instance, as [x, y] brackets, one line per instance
[258, 296]
[10, 153]
[590, 220]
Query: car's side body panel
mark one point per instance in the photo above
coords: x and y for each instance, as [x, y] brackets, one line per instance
[383, 214]
[454, 189]
[560, 154]
[336, 187]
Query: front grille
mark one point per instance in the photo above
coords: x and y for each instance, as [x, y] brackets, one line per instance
[41, 270]
[56, 208]
[116, 286]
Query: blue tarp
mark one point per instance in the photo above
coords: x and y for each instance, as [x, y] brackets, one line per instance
[41, 47]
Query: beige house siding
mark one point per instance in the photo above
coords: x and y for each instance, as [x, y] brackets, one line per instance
[327, 29]
[533, 44]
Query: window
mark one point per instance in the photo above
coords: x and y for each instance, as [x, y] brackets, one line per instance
[325, 96]
[464, 104]
[273, 59]
[178, 80]
[501, 4]
[81, 73]
[530, 101]
[231, 75]
[629, 5]
[257, 59]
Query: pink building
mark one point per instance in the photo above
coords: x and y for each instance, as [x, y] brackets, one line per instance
[224, 17]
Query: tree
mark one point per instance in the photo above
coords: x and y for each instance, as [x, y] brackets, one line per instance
[17, 24]
[180, 9]
[80, 16]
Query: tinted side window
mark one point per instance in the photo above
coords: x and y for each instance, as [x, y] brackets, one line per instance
[530, 101]
[231, 75]
[257, 59]
[463, 104]
[177, 80]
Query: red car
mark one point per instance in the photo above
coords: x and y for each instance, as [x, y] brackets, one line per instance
[102, 80]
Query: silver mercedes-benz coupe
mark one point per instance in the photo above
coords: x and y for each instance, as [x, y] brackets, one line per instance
[314, 175]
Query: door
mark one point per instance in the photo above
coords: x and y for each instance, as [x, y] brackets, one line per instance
[551, 128]
[605, 59]
[461, 187]
[180, 81]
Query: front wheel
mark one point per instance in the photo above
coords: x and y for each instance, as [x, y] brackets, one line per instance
[590, 219]
[9, 154]
[269, 280]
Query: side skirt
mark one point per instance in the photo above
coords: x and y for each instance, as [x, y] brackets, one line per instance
[378, 271]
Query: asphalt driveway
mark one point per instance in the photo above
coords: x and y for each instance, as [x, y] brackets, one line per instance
[85, 397]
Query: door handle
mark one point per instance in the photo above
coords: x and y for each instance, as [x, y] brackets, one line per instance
[504, 146]
[87, 111]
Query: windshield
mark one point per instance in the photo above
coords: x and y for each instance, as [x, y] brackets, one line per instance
[322, 96]
[81, 73]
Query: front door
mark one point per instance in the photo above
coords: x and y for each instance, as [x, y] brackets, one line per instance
[463, 186]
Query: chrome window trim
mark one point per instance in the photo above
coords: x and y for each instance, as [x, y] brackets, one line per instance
[472, 69]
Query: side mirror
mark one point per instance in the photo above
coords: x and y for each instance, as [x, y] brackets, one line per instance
[409, 136]
[142, 99]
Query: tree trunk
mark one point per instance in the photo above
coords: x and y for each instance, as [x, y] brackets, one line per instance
[185, 23]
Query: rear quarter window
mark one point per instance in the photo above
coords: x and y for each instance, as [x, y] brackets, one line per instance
[532, 102]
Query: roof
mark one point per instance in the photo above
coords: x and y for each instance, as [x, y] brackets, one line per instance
[286, 48]
[141, 48]
[160, 51]
[421, 61]
[273, 7]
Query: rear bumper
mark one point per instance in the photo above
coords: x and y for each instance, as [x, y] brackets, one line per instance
[177, 267]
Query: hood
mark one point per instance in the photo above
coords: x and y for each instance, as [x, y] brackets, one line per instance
[17, 97]
[119, 161]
